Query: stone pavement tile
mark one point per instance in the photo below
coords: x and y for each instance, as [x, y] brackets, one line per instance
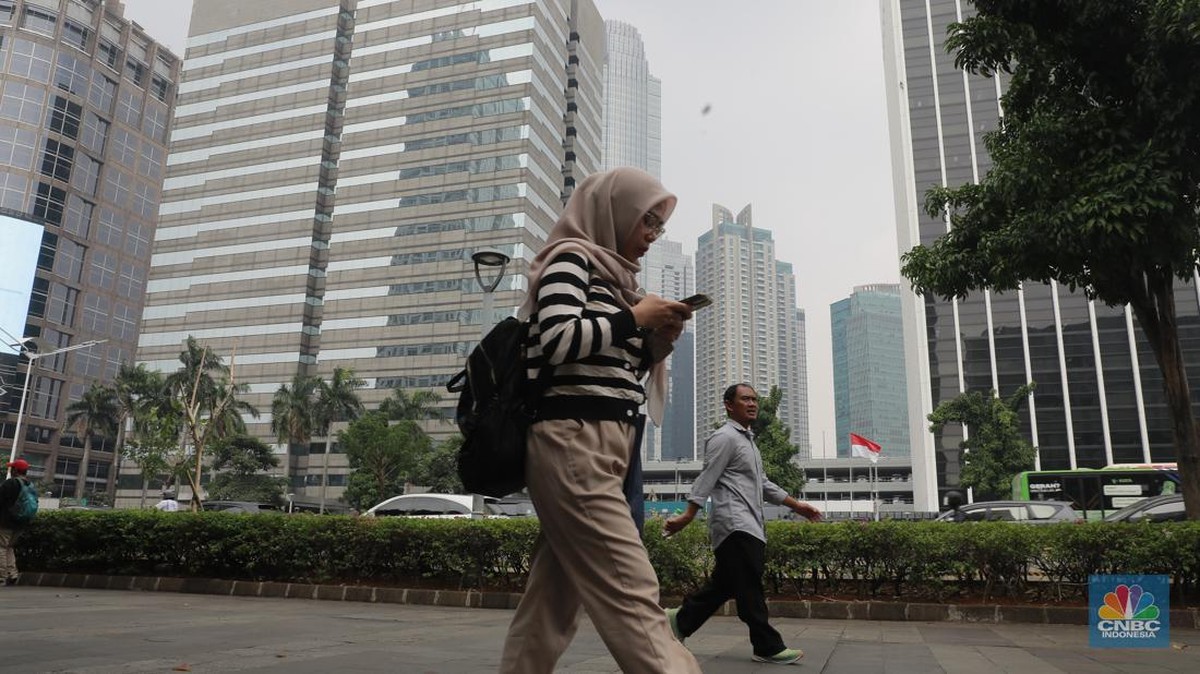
[111, 632]
[1079, 657]
[1017, 661]
[961, 634]
[850, 657]
[955, 659]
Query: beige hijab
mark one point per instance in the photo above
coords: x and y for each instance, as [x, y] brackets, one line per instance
[600, 215]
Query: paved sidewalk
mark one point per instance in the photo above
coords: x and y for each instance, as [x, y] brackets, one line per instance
[69, 630]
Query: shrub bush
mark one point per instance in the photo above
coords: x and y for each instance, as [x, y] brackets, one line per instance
[865, 560]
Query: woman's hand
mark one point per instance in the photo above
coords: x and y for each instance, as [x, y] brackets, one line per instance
[657, 313]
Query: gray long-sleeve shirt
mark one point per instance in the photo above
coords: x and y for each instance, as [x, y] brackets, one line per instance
[733, 477]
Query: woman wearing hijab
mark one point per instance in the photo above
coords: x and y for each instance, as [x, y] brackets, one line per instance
[590, 324]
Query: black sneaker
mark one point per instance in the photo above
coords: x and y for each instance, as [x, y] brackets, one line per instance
[10, 581]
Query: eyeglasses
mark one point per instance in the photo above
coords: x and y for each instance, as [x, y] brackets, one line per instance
[653, 224]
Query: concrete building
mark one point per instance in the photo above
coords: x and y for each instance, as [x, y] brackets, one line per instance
[333, 168]
[86, 100]
[857, 489]
[753, 333]
[1099, 395]
[668, 272]
[870, 393]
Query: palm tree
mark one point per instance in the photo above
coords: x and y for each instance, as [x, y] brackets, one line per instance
[294, 414]
[418, 406]
[135, 387]
[207, 393]
[197, 378]
[96, 413]
[336, 401]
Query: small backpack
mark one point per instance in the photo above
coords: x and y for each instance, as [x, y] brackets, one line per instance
[26, 506]
[496, 405]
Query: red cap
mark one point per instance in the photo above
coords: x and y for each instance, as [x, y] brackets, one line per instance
[19, 466]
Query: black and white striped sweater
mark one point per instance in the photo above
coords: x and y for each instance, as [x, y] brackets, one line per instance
[592, 344]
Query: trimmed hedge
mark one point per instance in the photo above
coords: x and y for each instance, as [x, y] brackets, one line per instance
[866, 560]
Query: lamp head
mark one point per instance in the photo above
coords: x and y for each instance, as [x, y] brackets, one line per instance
[489, 257]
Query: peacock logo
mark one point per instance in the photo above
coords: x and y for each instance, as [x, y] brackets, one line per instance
[1128, 602]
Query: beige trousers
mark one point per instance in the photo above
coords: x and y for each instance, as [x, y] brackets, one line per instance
[588, 554]
[8, 559]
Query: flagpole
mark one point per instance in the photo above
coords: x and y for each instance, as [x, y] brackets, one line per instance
[851, 487]
[874, 494]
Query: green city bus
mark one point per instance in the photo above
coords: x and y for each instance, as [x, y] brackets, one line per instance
[1096, 492]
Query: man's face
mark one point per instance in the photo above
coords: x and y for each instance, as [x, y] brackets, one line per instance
[744, 407]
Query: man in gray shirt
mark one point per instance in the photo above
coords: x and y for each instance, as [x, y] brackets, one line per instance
[733, 477]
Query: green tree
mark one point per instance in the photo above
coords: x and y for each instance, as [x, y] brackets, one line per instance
[775, 445]
[294, 410]
[438, 469]
[240, 463]
[155, 444]
[382, 457]
[1096, 172]
[994, 450]
[205, 390]
[293, 413]
[96, 413]
[135, 388]
[415, 407]
[337, 400]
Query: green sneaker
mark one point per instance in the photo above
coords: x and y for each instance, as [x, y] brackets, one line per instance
[673, 618]
[785, 657]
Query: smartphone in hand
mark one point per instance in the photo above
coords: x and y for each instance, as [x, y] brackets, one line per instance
[697, 301]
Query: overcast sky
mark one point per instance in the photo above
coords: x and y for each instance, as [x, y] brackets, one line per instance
[796, 128]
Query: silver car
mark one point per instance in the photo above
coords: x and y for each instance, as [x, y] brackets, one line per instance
[1025, 512]
[1165, 508]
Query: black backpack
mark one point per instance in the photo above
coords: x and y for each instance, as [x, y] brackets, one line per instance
[496, 405]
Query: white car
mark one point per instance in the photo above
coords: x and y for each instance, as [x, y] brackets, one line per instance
[433, 505]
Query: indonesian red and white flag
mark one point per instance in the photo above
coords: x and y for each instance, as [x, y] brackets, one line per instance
[860, 446]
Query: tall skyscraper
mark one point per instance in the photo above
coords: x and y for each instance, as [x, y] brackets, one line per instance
[667, 272]
[1099, 397]
[85, 104]
[753, 333]
[633, 137]
[632, 103]
[334, 166]
[869, 390]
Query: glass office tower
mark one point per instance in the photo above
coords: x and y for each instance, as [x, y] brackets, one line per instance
[335, 165]
[1099, 397]
[869, 386]
[85, 101]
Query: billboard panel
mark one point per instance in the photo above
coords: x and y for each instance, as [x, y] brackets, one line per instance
[18, 262]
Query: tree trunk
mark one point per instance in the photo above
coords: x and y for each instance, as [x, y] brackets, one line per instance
[116, 464]
[1158, 320]
[83, 465]
[324, 471]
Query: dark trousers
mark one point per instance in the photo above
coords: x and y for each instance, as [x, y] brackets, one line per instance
[738, 576]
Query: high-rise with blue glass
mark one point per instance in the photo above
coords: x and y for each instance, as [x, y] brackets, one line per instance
[870, 393]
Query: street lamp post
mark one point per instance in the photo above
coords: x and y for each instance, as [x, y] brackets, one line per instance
[491, 258]
[33, 356]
